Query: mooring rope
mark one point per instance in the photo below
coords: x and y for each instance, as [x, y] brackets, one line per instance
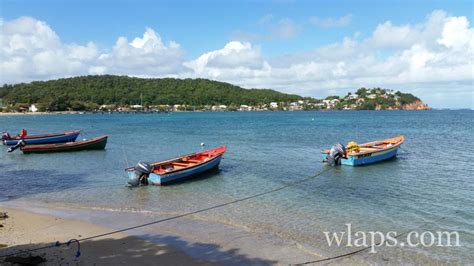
[58, 244]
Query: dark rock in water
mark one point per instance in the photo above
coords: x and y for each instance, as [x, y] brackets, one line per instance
[31, 260]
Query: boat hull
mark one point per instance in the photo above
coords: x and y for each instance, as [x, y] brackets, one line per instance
[159, 178]
[182, 175]
[93, 144]
[68, 137]
[370, 158]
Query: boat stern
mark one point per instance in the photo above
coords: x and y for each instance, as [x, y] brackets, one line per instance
[134, 178]
[349, 161]
[154, 179]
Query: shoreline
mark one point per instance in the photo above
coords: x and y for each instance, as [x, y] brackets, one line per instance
[38, 113]
[185, 241]
[200, 111]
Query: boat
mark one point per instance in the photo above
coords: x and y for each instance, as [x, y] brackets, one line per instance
[70, 136]
[175, 170]
[362, 154]
[98, 143]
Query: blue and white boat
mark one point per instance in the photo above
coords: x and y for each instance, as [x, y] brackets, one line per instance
[42, 139]
[175, 170]
[367, 153]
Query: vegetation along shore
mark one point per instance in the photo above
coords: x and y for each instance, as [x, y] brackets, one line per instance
[123, 94]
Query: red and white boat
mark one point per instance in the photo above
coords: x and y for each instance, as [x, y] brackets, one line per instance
[177, 169]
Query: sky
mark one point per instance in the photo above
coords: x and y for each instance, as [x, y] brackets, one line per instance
[310, 48]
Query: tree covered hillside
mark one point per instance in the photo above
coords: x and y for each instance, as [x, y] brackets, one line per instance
[123, 92]
[87, 92]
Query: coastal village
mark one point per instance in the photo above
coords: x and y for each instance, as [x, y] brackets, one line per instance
[363, 99]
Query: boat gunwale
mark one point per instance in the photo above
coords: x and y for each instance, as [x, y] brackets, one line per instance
[366, 145]
[62, 146]
[45, 135]
[190, 167]
[182, 156]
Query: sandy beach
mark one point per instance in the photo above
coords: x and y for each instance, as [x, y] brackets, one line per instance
[191, 242]
[25, 230]
[37, 113]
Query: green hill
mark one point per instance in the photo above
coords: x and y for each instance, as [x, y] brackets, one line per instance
[88, 92]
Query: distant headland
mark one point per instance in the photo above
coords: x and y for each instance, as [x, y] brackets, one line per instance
[110, 93]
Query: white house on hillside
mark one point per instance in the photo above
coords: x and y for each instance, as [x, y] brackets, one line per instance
[331, 103]
[245, 107]
[33, 108]
[372, 96]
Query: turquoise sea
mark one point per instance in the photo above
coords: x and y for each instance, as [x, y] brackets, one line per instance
[430, 186]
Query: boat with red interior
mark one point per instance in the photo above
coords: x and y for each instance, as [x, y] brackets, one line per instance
[177, 169]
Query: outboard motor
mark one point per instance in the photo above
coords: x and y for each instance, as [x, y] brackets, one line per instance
[20, 143]
[142, 171]
[5, 136]
[337, 152]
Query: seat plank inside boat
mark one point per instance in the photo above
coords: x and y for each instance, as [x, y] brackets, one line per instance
[362, 149]
[183, 164]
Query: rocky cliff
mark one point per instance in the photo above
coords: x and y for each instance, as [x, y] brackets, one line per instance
[416, 105]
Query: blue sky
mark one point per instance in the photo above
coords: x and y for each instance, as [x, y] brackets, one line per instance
[206, 25]
[255, 37]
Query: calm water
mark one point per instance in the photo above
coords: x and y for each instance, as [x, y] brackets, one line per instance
[431, 179]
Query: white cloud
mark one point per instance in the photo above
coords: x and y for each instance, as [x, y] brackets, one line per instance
[234, 60]
[457, 34]
[147, 55]
[331, 22]
[432, 58]
[420, 57]
[387, 35]
[31, 50]
[285, 29]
